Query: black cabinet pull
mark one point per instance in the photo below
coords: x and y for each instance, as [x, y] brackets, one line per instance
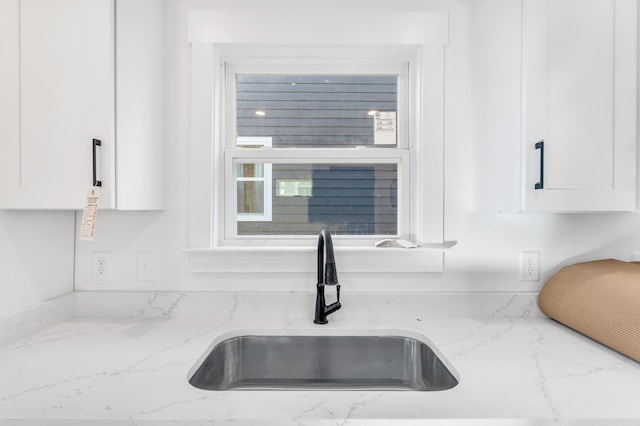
[96, 142]
[540, 146]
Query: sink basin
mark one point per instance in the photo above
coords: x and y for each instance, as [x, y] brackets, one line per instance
[323, 363]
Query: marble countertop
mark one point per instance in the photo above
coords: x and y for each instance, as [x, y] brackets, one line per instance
[124, 358]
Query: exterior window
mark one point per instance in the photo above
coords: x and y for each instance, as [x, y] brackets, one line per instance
[294, 187]
[337, 154]
[253, 184]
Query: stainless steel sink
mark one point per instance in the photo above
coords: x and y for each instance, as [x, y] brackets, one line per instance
[322, 362]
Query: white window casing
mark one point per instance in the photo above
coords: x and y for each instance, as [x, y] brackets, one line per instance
[244, 41]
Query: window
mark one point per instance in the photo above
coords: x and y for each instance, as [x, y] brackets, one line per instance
[350, 119]
[253, 184]
[227, 43]
[294, 187]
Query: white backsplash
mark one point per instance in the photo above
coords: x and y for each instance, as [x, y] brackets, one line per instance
[299, 305]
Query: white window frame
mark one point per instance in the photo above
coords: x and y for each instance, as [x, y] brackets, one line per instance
[272, 61]
[215, 28]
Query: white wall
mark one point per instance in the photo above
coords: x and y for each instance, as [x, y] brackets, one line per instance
[36, 257]
[482, 180]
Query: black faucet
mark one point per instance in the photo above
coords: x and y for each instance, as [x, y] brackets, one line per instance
[327, 275]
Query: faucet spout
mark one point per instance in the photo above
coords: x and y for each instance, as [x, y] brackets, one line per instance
[327, 275]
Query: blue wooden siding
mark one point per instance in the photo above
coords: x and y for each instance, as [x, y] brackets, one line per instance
[313, 110]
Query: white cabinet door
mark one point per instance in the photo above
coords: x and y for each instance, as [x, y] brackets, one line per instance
[66, 99]
[579, 94]
[58, 80]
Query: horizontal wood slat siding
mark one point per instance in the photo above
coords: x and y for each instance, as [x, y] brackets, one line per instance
[313, 110]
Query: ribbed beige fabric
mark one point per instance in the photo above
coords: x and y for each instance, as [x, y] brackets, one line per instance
[599, 299]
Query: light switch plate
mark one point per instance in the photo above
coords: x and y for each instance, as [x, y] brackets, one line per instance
[147, 265]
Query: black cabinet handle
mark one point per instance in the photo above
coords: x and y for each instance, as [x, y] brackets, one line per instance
[96, 142]
[540, 146]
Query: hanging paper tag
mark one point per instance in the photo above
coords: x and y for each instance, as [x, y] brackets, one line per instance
[88, 225]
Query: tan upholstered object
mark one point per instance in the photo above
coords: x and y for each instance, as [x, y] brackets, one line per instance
[599, 299]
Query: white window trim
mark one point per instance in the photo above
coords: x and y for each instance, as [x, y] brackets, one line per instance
[424, 33]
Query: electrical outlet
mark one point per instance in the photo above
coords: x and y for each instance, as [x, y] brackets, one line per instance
[529, 266]
[146, 265]
[101, 266]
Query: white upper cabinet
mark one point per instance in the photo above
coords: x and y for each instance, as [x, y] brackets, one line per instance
[66, 100]
[579, 112]
[58, 70]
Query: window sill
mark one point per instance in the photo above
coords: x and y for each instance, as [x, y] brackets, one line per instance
[273, 259]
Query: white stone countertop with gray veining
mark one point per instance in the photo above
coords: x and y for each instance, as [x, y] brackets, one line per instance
[124, 359]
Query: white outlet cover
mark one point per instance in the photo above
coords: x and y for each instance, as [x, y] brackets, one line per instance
[101, 266]
[529, 266]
